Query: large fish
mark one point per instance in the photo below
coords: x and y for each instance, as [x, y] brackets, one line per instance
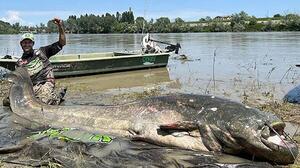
[196, 122]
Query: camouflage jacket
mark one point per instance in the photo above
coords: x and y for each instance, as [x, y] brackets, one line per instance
[38, 64]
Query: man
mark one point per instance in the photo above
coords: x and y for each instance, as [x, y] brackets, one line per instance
[149, 46]
[39, 68]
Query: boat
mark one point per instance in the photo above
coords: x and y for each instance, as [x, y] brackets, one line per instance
[297, 65]
[93, 63]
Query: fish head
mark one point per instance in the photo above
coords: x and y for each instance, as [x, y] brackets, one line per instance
[21, 89]
[264, 137]
[283, 148]
[12, 77]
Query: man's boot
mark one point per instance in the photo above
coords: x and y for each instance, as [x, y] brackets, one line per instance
[62, 94]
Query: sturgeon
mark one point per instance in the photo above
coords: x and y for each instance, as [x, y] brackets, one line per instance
[188, 121]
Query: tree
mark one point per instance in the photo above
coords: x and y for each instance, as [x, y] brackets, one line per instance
[179, 20]
[239, 21]
[125, 22]
[238, 27]
[208, 18]
[16, 27]
[83, 24]
[202, 20]
[150, 26]
[72, 24]
[179, 26]
[127, 16]
[292, 22]
[51, 27]
[130, 16]
[141, 24]
[218, 26]
[241, 17]
[162, 25]
[40, 28]
[118, 16]
[253, 25]
[252, 20]
[276, 16]
[107, 23]
[7, 28]
[125, 27]
[268, 26]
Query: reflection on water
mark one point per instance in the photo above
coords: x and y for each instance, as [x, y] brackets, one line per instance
[118, 80]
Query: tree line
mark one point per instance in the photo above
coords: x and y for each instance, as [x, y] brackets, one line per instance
[126, 22]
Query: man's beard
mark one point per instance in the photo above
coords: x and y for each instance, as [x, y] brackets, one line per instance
[28, 52]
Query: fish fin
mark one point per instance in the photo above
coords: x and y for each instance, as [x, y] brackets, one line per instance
[154, 135]
[229, 143]
[208, 138]
[180, 125]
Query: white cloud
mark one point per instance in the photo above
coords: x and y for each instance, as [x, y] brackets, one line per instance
[12, 17]
[31, 18]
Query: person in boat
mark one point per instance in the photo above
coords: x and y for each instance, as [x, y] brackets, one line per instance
[150, 46]
[39, 67]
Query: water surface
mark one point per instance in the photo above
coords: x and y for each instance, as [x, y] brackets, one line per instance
[257, 57]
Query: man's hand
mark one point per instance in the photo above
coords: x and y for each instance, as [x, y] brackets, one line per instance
[57, 21]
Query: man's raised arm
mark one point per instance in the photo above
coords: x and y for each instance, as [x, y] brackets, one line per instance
[62, 37]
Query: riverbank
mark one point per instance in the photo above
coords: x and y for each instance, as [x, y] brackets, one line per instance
[127, 23]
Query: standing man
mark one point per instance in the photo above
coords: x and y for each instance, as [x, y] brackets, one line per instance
[39, 68]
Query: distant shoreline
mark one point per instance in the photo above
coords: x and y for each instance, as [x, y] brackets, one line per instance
[154, 33]
[125, 22]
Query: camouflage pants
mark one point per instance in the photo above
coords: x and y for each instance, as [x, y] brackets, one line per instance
[46, 93]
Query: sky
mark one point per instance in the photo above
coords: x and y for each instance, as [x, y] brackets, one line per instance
[34, 12]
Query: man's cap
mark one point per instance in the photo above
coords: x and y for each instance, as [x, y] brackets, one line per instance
[28, 36]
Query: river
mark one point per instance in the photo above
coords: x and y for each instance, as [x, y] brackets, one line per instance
[258, 58]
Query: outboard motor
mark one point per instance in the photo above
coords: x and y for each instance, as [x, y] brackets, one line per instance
[7, 57]
[171, 48]
[149, 46]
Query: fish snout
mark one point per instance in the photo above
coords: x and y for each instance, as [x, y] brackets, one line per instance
[283, 150]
